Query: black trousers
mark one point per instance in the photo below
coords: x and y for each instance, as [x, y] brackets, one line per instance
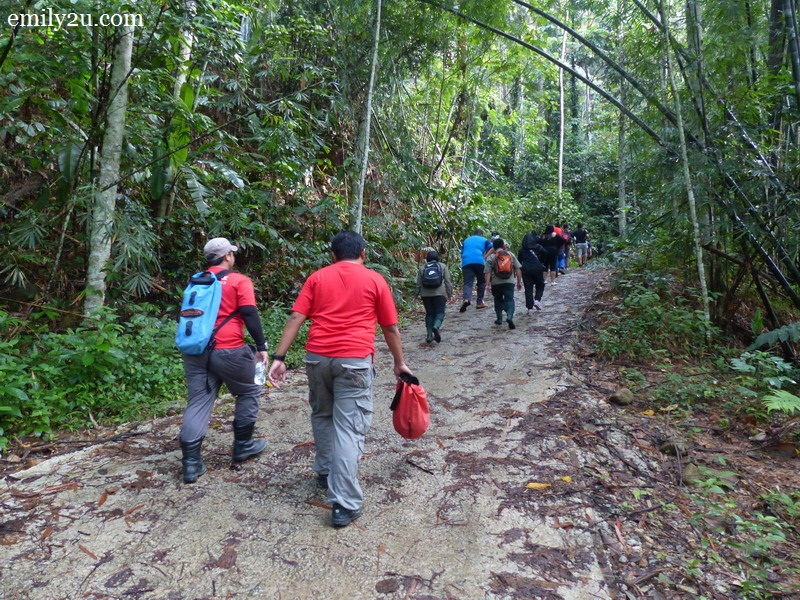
[434, 310]
[529, 280]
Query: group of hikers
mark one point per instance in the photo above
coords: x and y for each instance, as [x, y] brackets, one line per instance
[344, 302]
[488, 263]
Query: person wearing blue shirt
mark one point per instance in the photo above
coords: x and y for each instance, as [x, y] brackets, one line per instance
[472, 264]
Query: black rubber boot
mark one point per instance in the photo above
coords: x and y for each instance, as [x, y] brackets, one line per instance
[193, 466]
[244, 446]
[437, 324]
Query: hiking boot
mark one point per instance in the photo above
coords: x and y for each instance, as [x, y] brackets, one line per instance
[511, 324]
[464, 306]
[498, 321]
[342, 517]
[193, 466]
[244, 446]
[481, 305]
[537, 305]
[322, 481]
[429, 337]
[436, 335]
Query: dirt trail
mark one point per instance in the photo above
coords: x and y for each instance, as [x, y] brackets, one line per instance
[446, 516]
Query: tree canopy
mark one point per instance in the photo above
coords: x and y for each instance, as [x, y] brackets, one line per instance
[245, 119]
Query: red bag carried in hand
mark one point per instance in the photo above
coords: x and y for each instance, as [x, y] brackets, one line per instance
[410, 412]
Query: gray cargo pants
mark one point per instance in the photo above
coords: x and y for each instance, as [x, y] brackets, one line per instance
[235, 367]
[340, 395]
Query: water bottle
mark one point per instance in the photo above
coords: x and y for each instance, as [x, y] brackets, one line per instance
[261, 374]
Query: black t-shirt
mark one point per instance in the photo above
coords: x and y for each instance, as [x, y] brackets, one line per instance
[580, 236]
[552, 244]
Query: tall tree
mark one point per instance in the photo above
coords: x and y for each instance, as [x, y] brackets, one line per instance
[101, 221]
[365, 129]
[687, 175]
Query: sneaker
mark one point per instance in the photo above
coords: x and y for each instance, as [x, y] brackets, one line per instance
[436, 335]
[530, 312]
[537, 305]
[498, 322]
[429, 338]
[481, 305]
[511, 324]
[342, 517]
[464, 306]
[322, 481]
[553, 283]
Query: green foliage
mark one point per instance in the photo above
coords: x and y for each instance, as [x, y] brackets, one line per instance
[94, 374]
[750, 542]
[768, 378]
[109, 371]
[786, 333]
[652, 322]
[782, 401]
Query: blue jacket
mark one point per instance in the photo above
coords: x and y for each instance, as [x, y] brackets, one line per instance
[472, 250]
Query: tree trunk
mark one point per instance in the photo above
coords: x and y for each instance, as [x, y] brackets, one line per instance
[622, 168]
[790, 12]
[622, 199]
[561, 116]
[101, 221]
[358, 200]
[687, 176]
[185, 45]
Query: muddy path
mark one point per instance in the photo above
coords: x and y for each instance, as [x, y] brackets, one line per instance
[448, 516]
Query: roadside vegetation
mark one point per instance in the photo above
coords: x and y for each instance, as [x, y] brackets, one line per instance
[713, 397]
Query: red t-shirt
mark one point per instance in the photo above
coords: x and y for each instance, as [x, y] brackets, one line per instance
[237, 290]
[345, 301]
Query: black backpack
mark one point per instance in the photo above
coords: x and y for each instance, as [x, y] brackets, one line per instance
[530, 260]
[432, 276]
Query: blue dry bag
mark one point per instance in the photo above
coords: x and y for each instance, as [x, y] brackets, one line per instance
[199, 310]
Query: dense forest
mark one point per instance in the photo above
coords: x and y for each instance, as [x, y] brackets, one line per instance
[670, 130]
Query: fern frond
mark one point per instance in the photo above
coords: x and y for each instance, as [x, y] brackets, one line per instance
[783, 401]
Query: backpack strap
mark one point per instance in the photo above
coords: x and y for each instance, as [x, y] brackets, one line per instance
[212, 342]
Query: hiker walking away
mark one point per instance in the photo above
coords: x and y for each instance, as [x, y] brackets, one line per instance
[501, 266]
[472, 264]
[229, 361]
[344, 301]
[434, 287]
[531, 254]
[552, 242]
[567, 235]
[581, 238]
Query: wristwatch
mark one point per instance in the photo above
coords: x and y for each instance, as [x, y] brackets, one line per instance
[280, 357]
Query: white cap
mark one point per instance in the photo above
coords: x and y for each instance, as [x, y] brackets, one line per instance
[217, 248]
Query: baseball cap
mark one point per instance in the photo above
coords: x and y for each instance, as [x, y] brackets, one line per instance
[218, 247]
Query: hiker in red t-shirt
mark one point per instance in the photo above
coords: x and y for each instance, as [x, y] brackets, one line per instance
[231, 362]
[344, 302]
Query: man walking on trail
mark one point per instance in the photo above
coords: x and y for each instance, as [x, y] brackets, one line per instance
[472, 266]
[344, 302]
[229, 361]
[501, 265]
[434, 287]
[581, 238]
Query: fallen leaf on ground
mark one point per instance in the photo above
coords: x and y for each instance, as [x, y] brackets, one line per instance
[537, 486]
